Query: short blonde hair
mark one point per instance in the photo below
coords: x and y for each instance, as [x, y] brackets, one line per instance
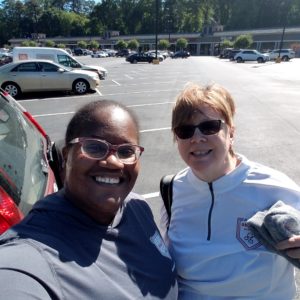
[194, 95]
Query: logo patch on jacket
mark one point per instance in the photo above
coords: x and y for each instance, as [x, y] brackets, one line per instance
[245, 236]
[159, 244]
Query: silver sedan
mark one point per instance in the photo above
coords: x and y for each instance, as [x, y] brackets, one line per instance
[43, 75]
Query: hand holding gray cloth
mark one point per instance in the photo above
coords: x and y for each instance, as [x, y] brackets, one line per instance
[274, 225]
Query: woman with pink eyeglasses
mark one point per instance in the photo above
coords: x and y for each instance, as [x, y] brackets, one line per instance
[95, 238]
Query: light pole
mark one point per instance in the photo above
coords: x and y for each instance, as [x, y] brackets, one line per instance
[156, 26]
[285, 15]
[281, 41]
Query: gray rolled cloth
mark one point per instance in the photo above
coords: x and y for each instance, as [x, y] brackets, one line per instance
[278, 223]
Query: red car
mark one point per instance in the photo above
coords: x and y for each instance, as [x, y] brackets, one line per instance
[26, 154]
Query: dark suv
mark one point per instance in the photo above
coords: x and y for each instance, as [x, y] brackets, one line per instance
[181, 54]
[123, 53]
[80, 51]
[231, 53]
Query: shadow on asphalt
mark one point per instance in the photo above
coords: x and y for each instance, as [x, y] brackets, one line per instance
[44, 95]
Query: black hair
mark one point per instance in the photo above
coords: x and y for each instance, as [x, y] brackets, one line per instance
[85, 120]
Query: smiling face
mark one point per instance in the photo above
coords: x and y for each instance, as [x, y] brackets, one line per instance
[98, 187]
[208, 155]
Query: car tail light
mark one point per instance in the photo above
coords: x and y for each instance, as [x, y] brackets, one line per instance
[9, 212]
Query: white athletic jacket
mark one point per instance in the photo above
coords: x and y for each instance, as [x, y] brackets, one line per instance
[216, 255]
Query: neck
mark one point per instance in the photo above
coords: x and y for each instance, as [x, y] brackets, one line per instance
[228, 166]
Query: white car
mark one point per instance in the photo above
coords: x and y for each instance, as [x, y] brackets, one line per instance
[57, 55]
[160, 57]
[99, 54]
[251, 55]
[110, 52]
[285, 54]
[45, 75]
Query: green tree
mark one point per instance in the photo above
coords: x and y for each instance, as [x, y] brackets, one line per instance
[133, 44]
[121, 44]
[243, 41]
[12, 14]
[82, 44]
[25, 44]
[61, 46]
[108, 14]
[226, 44]
[163, 44]
[94, 44]
[181, 43]
[29, 44]
[32, 15]
[49, 43]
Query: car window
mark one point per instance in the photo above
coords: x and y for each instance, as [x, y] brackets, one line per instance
[45, 56]
[26, 67]
[67, 61]
[21, 157]
[64, 60]
[46, 67]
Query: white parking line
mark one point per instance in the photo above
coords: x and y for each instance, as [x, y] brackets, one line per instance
[99, 92]
[54, 114]
[150, 104]
[144, 92]
[156, 129]
[151, 195]
[117, 83]
[54, 98]
[128, 76]
[133, 105]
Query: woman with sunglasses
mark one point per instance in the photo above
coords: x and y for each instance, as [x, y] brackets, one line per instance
[94, 239]
[216, 255]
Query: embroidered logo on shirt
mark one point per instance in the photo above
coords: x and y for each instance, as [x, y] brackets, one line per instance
[159, 244]
[245, 236]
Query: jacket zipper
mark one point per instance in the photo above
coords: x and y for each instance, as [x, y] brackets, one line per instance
[210, 210]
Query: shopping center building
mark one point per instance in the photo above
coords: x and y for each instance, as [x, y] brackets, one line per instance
[204, 43]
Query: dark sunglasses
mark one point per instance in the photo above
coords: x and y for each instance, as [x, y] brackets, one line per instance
[207, 128]
[99, 149]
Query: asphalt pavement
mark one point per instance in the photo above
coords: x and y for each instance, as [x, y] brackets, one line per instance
[267, 119]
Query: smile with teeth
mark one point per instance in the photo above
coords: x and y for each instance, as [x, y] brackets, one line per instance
[201, 152]
[108, 180]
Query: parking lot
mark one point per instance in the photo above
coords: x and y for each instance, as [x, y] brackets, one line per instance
[267, 118]
[267, 121]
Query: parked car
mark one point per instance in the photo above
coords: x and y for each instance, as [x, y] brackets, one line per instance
[251, 55]
[123, 53]
[160, 54]
[285, 54]
[181, 54]
[140, 57]
[99, 54]
[160, 57]
[225, 52]
[80, 51]
[5, 59]
[42, 75]
[69, 51]
[57, 55]
[232, 52]
[110, 52]
[26, 154]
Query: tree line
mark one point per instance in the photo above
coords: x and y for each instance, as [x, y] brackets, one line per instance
[21, 19]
